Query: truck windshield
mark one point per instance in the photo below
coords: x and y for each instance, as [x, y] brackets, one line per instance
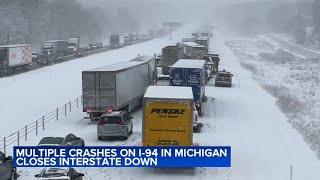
[112, 120]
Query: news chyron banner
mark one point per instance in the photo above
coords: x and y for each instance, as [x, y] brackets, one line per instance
[126, 156]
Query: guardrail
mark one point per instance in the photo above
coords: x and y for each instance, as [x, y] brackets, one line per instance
[34, 127]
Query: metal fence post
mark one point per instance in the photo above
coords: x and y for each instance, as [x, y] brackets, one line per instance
[42, 122]
[70, 105]
[4, 145]
[65, 110]
[18, 138]
[37, 128]
[77, 102]
[57, 113]
[26, 132]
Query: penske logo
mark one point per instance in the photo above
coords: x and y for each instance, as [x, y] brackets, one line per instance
[168, 111]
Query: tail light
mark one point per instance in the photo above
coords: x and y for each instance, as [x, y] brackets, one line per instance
[122, 124]
[101, 123]
[142, 144]
[89, 110]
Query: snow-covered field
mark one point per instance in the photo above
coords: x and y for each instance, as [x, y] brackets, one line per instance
[293, 80]
[245, 117]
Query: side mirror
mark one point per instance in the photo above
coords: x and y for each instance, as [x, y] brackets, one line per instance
[37, 175]
[80, 174]
[231, 74]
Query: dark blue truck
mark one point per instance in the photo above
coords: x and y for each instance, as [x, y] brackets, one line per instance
[190, 73]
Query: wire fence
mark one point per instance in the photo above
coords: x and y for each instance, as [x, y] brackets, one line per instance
[34, 127]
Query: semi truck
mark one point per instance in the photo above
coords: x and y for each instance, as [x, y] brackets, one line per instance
[170, 55]
[167, 116]
[212, 63]
[194, 51]
[14, 57]
[190, 73]
[189, 39]
[76, 43]
[119, 87]
[204, 41]
[116, 41]
[128, 38]
[55, 48]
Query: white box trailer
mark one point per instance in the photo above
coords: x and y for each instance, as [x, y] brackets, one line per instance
[15, 56]
[194, 51]
[119, 86]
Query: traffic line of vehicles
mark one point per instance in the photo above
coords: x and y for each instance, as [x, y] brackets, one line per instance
[21, 57]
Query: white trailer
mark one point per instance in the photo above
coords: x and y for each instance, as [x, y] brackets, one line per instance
[13, 57]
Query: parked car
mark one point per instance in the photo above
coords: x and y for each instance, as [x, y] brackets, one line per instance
[115, 124]
[59, 174]
[69, 140]
[223, 79]
[7, 171]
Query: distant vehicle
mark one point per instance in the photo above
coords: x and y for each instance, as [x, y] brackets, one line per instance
[57, 57]
[189, 39]
[69, 140]
[7, 171]
[75, 43]
[223, 78]
[204, 41]
[35, 56]
[194, 51]
[80, 52]
[128, 38]
[95, 46]
[44, 59]
[116, 41]
[55, 47]
[59, 174]
[14, 57]
[167, 116]
[170, 55]
[212, 62]
[115, 124]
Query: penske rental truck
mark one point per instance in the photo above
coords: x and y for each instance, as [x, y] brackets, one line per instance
[167, 116]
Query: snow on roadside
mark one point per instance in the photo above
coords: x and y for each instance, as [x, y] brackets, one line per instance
[295, 83]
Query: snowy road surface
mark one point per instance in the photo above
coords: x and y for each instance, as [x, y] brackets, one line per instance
[244, 116]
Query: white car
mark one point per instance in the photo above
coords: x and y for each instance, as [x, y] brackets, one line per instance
[59, 174]
[195, 119]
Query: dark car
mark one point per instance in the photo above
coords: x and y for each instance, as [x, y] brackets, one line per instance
[57, 57]
[7, 171]
[59, 174]
[80, 52]
[44, 59]
[69, 140]
[223, 79]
